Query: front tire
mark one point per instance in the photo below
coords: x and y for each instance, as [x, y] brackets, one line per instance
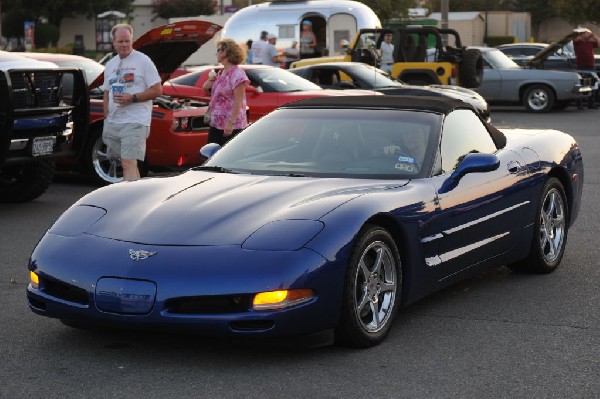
[550, 231]
[539, 98]
[26, 182]
[371, 290]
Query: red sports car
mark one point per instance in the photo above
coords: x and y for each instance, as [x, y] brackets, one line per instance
[269, 88]
[177, 131]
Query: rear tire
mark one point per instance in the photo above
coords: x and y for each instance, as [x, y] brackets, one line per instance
[550, 231]
[371, 290]
[26, 182]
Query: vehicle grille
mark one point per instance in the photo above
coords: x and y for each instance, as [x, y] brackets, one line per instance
[213, 304]
[65, 292]
[36, 89]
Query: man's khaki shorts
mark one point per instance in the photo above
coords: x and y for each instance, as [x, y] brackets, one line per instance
[125, 140]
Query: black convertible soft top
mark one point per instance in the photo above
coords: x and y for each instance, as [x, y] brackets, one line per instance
[442, 105]
[426, 103]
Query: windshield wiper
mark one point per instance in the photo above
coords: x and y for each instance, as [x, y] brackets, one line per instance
[290, 175]
[218, 169]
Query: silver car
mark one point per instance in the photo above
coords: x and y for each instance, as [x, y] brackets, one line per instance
[539, 90]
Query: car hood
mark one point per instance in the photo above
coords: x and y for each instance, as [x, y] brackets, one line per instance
[207, 208]
[168, 46]
[541, 56]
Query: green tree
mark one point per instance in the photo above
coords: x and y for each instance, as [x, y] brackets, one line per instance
[579, 12]
[56, 10]
[183, 8]
[388, 9]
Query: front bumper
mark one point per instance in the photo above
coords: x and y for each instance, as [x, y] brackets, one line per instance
[201, 289]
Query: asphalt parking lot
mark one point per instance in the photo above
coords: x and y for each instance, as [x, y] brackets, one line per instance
[499, 335]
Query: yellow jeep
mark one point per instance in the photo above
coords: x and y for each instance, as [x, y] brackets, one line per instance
[422, 56]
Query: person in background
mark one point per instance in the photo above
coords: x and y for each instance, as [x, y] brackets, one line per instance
[131, 82]
[291, 54]
[387, 53]
[227, 94]
[308, 40]
[258, 48]
[584, 44]
[344, 47]
[271, 55]
[249, 51]
[325, 52]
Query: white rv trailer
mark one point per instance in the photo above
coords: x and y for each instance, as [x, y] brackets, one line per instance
[332, 21]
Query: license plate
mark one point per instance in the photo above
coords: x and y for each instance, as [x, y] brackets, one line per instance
[42, 146]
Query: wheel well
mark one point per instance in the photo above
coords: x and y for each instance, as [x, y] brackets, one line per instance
[563, 177]
[392, 227]
[526, 87]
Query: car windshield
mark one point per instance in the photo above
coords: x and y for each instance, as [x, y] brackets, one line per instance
[498, 60]
[90, 69]
[279, 80]
[376, 78]
[358, 143]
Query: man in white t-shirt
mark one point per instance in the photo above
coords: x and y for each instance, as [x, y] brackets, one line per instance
[259, 47]
[131, 82]
[271, 55]
[387, 53]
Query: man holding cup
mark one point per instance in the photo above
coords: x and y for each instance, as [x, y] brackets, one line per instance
[131, 82]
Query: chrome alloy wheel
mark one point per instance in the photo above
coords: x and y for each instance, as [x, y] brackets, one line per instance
[375, 286]
[108, 170]
[552, 225]
[538, 99]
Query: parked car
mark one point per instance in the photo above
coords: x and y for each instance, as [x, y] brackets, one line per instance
[505, 82]
[38, 115]
[556, 55]
[356, 75]
[325, 216]
[269, 88]
[177, 131]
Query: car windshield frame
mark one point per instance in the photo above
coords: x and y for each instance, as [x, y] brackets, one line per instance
[302, 142]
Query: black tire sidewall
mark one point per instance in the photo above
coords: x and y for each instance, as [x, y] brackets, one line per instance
[470, 70]
[551, 98]
[535, 261]
[350, 331]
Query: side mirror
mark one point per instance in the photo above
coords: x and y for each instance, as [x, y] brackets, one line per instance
[210, 149]
[471, 163]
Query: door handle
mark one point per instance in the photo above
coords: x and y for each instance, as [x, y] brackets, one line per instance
[514, 167]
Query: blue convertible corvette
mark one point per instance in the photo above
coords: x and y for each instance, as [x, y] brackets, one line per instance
[327, 215]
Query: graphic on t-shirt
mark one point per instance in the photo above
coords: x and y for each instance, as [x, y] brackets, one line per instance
[128, 77]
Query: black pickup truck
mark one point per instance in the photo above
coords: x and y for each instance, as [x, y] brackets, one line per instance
[44, 114]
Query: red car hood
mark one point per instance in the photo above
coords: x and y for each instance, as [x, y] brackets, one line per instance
[170, 45]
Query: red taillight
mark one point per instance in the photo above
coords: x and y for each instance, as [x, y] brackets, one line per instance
[181, 160]
[453, 72]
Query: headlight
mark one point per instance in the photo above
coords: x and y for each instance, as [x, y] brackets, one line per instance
[283, 235]
[275, 300]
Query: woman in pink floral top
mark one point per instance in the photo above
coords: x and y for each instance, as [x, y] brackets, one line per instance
[227, 94]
